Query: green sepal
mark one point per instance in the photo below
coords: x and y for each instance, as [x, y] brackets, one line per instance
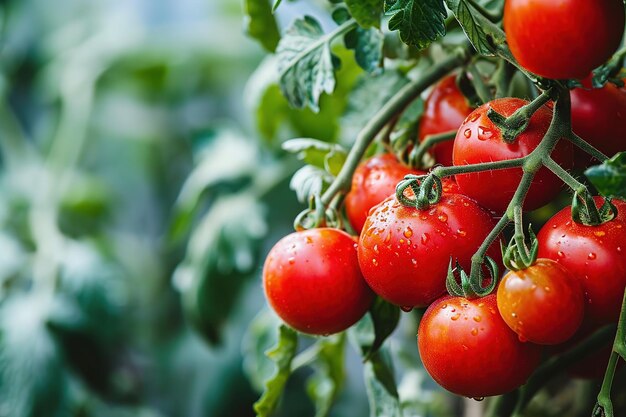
[471, 285]
[427, 190]
[585, 211]
[515, 257]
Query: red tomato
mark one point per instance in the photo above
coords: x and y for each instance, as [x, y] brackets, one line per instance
[596, 255]
[404, 252]
[313, 282]
[445, 110]
[545, 35]
[469, 350]
[374, 180]
[479, 140]
[599, 117]
[543, 303]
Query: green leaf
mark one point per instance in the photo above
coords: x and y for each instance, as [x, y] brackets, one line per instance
[282, 354]
[328, 156]
[305, 63]
[261, 334]
[324, 385]
[420, 22]
[308, 181]
[222, 253]
[385, 318]
[368, 48]
[276, 4]
[366, 12]
[381, 387]
[481, 32]
[260, 24]
[32, 378]
[610, 177]
[368, 96]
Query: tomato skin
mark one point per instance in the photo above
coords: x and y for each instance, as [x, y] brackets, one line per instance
[312, 281]
[544, 35]
[543, 303]
[374, 180]
[469, 350]
[596, 255]
[404, 253]
[599, 117]
[479, 140]
[445, 109]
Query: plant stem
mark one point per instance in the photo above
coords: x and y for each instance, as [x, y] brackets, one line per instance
[565, 176]
[587, 147]
[502, 78]
[417, 155]
[441, 171]
[393, 107]
[477, 81]
[493, 17]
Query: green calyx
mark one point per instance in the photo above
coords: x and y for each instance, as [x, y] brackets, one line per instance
[427, 190]
[471, 285]
[517, 255]
[585, 211]
[318, 215]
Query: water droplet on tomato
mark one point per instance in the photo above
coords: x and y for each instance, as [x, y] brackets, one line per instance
[455, 317]
[484, 133]
[554, 226]
[478, 398]
[599, 233]
[388, 238]
[514, 315]
[477, 319]
[474, 331]
[309, 240]
[591, 256]
[376, 250]
[619, 248]
[414, 262]
[533, 287]
[406, 309]
[461, 232]
[291, 260]
[408, 232]
[424, 238]
[444, 306]
[547, 289]
[467, 133]
[474, 117]
[375, 261]
[560, 254]
[481, 304]
[443, 217]
[522, 338]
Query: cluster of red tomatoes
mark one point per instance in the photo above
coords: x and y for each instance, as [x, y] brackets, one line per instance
[324, 280]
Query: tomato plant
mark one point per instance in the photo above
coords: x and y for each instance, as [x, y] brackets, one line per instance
[404, 252]
[313, 282]
[445, 110]
[479, 140]
[469, 350]
[544, 35]
[594, 255]
[599, 117]
[542, 303]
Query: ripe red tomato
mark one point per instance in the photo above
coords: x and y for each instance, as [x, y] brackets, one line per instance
[543, 303]
[469, 350]
[313, 282]
[445, 110]
[404, 252]
[599, 117]
[545, 35]
[596, 255]
[374, 180]
[479, 140]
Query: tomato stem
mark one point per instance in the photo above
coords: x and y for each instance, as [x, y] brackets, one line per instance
[483, 91]
[587, 147]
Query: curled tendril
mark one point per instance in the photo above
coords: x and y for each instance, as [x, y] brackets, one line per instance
[471, 285]
[317, 215]
[585, 211]
[516, 254]
[427, 190]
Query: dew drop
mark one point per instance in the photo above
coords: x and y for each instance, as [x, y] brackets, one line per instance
[388, 238]
[424, 238]
[568, 223]
[484, 133]
[291, 260]
[474, 331]
[376, 250]
[461, 232]
[533, 287]
[522, 338]
[375, 261]
[554, 226]
[309, 240]
[408, 232]
[474, 117]
[619, 248]
[401, 240]
[492, 311]
[414, 262]
[467, 133]
[443, 217]
[619, 226]
[599, 233]
[481, 304]
[547, 289]
[591, 256]
[453, 309]
[406, 309]
[477, 319]
[514, 315]
[478, 398]
[465, 204]
[455, 317]
[444, 306]
[560, 254]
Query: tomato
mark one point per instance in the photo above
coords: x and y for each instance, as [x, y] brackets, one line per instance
[596, 255]
[599, 117]
[445, 109]
[479, 140]
[404, 253]
[469, 350]
[545, 35]
[313, 282]
[374, 180]
[543, 303]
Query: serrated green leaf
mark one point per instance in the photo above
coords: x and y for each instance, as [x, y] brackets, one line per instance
[259, 23]
[320, 154]
[324, 385]
[366, 12]
[305, 63]
[368, 96]
[420, 22]
[368, 48]
[308, 181]
[282, 354]
[381, 388]
[481, 32]
[610, 177]
[221, 254]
